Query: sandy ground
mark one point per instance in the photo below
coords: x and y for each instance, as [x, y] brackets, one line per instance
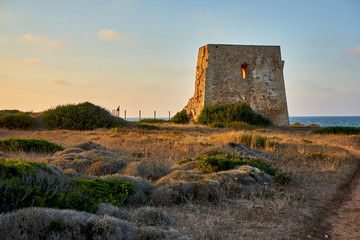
[346, 221]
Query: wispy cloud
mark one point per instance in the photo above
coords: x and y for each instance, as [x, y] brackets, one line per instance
[42, 41]
[355, 52]
[155, 68]
[111, 34]
[56, 82]
[21, 63]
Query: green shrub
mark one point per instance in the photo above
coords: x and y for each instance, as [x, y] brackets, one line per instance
[180, 117]
[224, 162]
[217, 125]
[185, 160]
[26, 184]
[147, 126]
[227, 113]
[28, 145]
[86, 195]
[152, 120]
[17, 121]
[83, 116]
[138, 154]
[338, 130]
[7, 111]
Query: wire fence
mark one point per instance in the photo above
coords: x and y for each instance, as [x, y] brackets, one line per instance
[117, 113]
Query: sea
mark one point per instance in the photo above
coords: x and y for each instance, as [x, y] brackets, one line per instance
[323, 121]
[327, 121]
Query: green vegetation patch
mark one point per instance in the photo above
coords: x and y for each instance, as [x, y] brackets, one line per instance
[26, 184]
[8, 111]
[236, 125]
[147, 126]
[227, 113]
[224, 162]
[29, 145]
[83, 116]
[152, 120]
[338, 130]
[17, 120]
[180, 117]
[320, 156]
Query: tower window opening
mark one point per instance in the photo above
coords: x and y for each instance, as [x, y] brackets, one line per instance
[244, 70]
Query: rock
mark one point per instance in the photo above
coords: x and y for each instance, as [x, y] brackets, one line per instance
[89, 146]
[4, 155]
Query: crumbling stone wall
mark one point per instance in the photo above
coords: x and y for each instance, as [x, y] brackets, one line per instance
[219, 80]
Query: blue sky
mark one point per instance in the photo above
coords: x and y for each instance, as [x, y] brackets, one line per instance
[142, 55]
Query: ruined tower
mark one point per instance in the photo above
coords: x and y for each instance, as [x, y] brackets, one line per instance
[240, 73]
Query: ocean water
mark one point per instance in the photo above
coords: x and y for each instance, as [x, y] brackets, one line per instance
[343, 121]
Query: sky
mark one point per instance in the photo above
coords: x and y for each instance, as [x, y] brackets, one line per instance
[142, 54]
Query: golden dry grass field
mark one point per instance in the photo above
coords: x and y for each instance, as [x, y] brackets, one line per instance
[318, 165]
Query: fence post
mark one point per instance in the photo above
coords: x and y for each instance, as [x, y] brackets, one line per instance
[154, 114]
[125, 114]
[139, 115]
[169, 115]
[119, 111]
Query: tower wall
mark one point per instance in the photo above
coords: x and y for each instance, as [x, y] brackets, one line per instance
[220, 80]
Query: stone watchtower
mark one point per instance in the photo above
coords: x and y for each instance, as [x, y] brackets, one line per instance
[240, 73]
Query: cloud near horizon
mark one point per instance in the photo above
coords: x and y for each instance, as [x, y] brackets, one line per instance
[111, 34]
[42, 41]
[21, 63]
[355, 52]
[56, 82]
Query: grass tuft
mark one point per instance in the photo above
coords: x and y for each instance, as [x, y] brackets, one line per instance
[147, 126]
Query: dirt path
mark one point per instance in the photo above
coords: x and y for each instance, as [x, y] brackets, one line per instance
[346, 220]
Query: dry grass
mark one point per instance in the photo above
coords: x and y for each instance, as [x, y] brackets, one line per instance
[267, 212]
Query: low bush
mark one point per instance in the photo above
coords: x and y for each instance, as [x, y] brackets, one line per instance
[224, 162]
[147, 126]
[17, 121]
[236, 125]
[83, 116]
[227, 113]
[25, 184]
[152, 120]
[338, 130]
[180, 117]
[45, 223]
[28, 145]
[7, 111]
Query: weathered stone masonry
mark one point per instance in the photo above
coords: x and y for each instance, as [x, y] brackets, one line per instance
[240, 73]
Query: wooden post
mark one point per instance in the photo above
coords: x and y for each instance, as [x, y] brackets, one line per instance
[169, 115]
[125, 114]
[154, 114]
[139, 115]
[119, 111]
